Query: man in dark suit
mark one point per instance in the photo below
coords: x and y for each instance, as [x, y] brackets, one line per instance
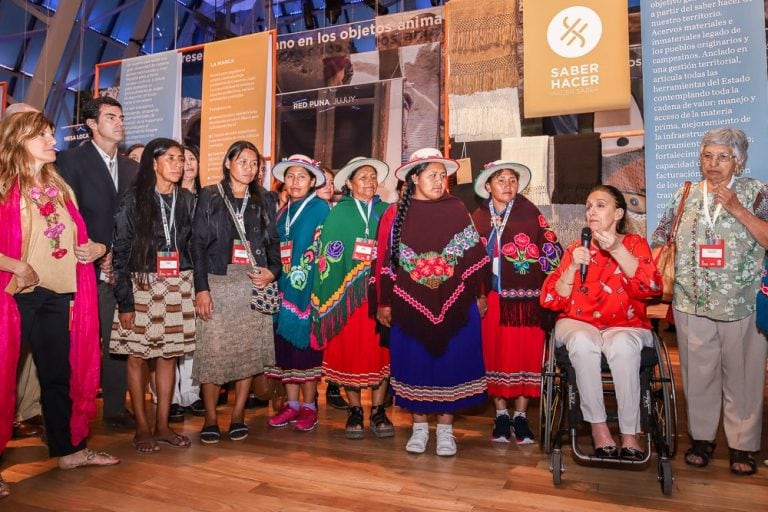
[99, 176]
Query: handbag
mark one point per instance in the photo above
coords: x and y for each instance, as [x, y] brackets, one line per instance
[664, 256]
[264, 300]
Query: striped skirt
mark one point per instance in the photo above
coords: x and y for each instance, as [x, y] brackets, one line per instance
[424, 383]
[354, 358]
[295, 365]
[164, 325]
[512, 355]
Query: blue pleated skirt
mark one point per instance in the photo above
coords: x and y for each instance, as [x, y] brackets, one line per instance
[424, 383]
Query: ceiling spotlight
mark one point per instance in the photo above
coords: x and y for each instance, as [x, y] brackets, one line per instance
[333, 10]
[380, 8]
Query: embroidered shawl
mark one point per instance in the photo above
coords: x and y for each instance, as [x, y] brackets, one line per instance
[340, 282]
[529, 253]
[443, 268]
[295, 283]
[84, 333]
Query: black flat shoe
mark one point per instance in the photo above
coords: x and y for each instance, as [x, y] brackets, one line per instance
[210, 434]
[631, 454]
[238, 431]
[197, 408]
[333, 397]
[176, 414]
[606, 452]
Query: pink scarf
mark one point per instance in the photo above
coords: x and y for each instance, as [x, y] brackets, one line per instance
[84, 332]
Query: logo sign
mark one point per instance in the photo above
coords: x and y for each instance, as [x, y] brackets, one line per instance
[574, 32]
[575, 60]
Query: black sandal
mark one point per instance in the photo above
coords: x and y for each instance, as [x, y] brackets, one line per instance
[742, 457]
[380, 424]
[354, 428]
[702, 450]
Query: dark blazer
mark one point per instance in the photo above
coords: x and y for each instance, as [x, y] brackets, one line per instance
[213, 232]
[85, 171]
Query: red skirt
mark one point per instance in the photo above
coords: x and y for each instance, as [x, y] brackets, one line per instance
[512, 355]
[353, 358]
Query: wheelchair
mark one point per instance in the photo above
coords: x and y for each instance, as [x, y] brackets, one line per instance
[560, 412]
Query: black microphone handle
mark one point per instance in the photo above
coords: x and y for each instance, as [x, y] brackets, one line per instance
[586, 240]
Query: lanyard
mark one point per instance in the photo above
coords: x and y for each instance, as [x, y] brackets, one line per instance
[167, 227]
[239, 224]
[500, 229]
[290, 222]
[238, 217]
[705, 205]
[365, 218]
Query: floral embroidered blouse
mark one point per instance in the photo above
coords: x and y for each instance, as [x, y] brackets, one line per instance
[726, 293]
[608, 297]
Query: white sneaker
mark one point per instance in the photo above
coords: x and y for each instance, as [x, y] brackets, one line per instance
[418, 441]
[446, 442]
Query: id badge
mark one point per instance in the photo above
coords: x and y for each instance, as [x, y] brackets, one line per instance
[240, 253]
[364, 249]
[286, 249]
[168, 264]
[712, 254]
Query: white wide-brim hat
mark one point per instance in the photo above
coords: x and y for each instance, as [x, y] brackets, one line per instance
[382, 170]
[425, 156]
[523, 172]
[313, 166]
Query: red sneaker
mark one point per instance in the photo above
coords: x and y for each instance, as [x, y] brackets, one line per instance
[284, 417]
[307, 420]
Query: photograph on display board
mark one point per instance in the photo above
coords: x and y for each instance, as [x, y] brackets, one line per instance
[354, 53]
[422, 84]
[334, 125]
[191, 96]
[410, 28]
[327, 57]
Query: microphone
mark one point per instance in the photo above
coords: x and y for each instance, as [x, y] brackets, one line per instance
[586, 239]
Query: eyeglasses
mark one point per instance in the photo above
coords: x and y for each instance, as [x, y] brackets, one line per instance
[721, 158]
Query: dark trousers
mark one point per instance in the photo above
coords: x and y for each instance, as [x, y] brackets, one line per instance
[114, 369]
[45, 327]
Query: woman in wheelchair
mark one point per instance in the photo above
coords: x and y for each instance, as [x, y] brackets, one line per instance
[604, 313]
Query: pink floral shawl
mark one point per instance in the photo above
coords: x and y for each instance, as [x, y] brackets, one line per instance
[84, 332]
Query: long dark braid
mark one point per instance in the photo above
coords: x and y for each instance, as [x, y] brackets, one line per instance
[402, 209]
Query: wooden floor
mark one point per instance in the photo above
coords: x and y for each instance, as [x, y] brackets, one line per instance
[281, 470]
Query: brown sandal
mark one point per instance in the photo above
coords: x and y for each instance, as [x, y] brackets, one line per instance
[90, 458]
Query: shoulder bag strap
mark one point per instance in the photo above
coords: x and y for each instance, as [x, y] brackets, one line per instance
[679, 213]
[238, 227]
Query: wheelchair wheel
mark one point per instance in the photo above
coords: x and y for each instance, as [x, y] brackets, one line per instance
[664, 476]
[664, 402]
[549, 401]
[556, 466]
